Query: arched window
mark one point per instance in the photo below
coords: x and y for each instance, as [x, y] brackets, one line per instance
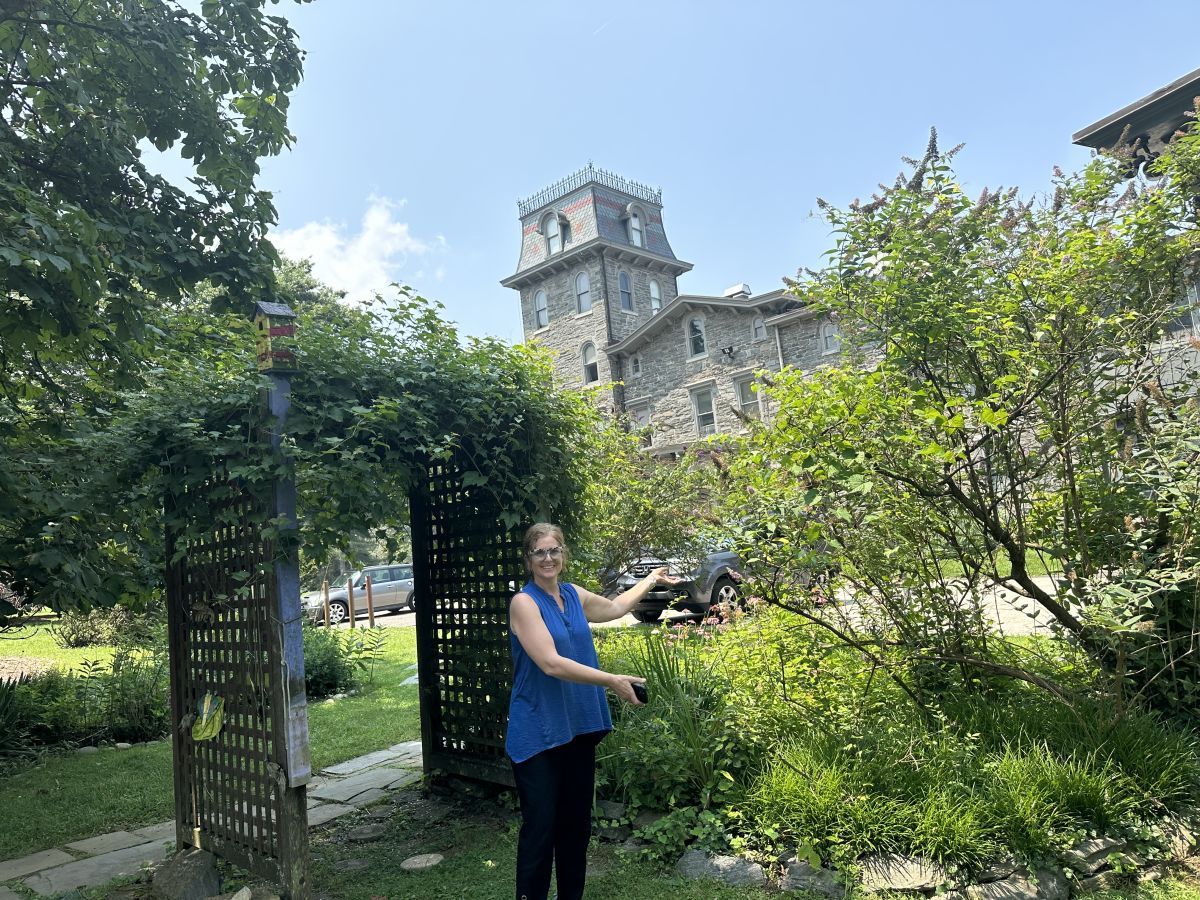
[626, 291]
[553, 233]
[583, 292]
[695, 337]
[831, 338]
[758, 329]
[635, 229]
[655, 297]
[541, 312]
[635, 364]
[591, 371]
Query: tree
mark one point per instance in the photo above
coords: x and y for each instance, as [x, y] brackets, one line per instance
[1019, 398]
[90, 236]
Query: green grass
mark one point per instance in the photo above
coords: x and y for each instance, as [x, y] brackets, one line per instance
[38, 641]
[66, 797]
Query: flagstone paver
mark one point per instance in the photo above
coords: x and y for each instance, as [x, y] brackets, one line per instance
[7, 894]
[349, 788]
[163, 831]
[105, 843]
[34, 862]
[350, 766]
[95, 870]
[327, 813]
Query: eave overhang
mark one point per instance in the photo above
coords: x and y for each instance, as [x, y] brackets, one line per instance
[689, 301]
[569, 259]
[1154, 118]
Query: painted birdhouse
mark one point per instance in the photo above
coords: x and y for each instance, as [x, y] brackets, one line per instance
[275, 330]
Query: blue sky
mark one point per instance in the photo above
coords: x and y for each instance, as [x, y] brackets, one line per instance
[419, 125]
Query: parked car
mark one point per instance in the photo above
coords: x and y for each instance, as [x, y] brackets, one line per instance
[714, 581]
[391, 589]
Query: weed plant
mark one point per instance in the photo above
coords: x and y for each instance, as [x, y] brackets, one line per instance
[337, 662]
[792, 741]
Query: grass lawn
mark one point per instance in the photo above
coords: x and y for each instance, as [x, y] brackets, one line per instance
[37, 641]
[65, 797]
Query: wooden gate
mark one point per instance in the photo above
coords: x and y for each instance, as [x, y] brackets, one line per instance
[466, 566]
[235, 640]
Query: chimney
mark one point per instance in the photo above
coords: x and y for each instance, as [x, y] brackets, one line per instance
[738, 290]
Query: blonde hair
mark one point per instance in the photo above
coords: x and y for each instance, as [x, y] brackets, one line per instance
[536, 532]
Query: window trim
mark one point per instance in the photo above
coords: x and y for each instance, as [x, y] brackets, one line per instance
[579, 294]
[710, 391]
[584, 364]
[742, 404]
[646, 427]
[634, 212]
[825, 333]
[754, 326]
[635, 364]
[624, 279]
[687, 336]
[655, 297]
[550, 236]
[538, 324]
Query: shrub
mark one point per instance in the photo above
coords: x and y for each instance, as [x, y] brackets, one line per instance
[14, 738]
[337, 661]
[116, 626]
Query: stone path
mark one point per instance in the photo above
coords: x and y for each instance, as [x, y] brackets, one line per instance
[338, 790]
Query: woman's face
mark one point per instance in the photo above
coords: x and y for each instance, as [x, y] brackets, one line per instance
[546, 558]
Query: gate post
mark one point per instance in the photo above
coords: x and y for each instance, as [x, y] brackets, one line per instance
[274, 324]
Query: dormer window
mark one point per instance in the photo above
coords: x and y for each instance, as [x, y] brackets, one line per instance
[626, 291]
[591, 371]
[695, 337]
[554, 231]
[583, 292]
[635, 229]
[541, 310]
[655, 297]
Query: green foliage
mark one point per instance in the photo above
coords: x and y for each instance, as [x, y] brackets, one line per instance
[117, 626]
[14, 738]
[1009, 397]
[125, 701]
[336, 662]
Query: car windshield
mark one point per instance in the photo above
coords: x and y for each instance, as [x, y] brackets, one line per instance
[356, 578]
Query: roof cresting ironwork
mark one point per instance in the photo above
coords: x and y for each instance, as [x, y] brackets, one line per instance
[588, 174]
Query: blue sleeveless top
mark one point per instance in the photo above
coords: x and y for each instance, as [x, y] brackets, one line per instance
[544, 711]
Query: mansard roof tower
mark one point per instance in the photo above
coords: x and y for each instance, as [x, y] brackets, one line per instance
[595, 266]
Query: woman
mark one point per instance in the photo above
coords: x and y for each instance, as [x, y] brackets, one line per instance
[559, 712]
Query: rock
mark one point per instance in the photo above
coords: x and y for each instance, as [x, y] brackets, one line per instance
[421, 862]
[85, 751]
[1178, 839]
[190, 875]
[1052, 884]
[646, 818]
[632, 845]
[121, 745]
[614, 834]
[382, 812]
[1156, 872]
[1105, 881]
[351, 865]
[998, 870]
[372, 831]
[610, 809]
[1091, 855]
[892, 872]
[802, 876]
[1015, 887]
[695, 864]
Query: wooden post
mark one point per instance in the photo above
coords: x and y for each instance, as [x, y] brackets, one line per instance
[325, 593]
[350, 601]
[370, 605]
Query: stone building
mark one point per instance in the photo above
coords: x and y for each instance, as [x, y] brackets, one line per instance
[599, 287]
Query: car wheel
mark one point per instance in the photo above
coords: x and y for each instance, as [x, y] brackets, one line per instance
[338, 612]
[412, 601]
[725, 593]
[651, 615]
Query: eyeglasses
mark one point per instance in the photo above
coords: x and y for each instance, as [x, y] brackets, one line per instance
[543, 553]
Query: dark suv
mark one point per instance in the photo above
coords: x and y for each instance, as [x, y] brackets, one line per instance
[713, 581]
[391, 588]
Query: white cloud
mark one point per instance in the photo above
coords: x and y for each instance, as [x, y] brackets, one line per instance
[362, 263]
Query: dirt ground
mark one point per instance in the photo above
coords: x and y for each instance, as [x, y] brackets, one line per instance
[12, 667]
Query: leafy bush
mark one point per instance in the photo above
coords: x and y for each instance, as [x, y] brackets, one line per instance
[116, 626]
[14, 740]
[129, 700]
[337, 661]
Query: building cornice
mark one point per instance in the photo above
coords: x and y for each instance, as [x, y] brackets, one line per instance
[569, 259]
[690, 301]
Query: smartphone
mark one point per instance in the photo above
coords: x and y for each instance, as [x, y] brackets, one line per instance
[639, 691]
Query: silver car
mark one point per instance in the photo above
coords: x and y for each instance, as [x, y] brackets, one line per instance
[391, 589]
[714, 580]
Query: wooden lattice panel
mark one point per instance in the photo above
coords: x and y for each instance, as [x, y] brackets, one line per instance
[231, 793]
[466, 567]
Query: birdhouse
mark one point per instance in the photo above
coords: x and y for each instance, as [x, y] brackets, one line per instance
[275, 337]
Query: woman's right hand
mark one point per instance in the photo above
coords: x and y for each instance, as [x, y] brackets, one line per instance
[622, 686]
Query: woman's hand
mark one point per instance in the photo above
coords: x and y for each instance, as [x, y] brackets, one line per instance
[622, 686]
[660, 576]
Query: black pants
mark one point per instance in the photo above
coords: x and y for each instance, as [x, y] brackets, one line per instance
[555, 788]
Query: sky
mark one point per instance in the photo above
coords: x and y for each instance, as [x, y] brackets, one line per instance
[419, 125]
